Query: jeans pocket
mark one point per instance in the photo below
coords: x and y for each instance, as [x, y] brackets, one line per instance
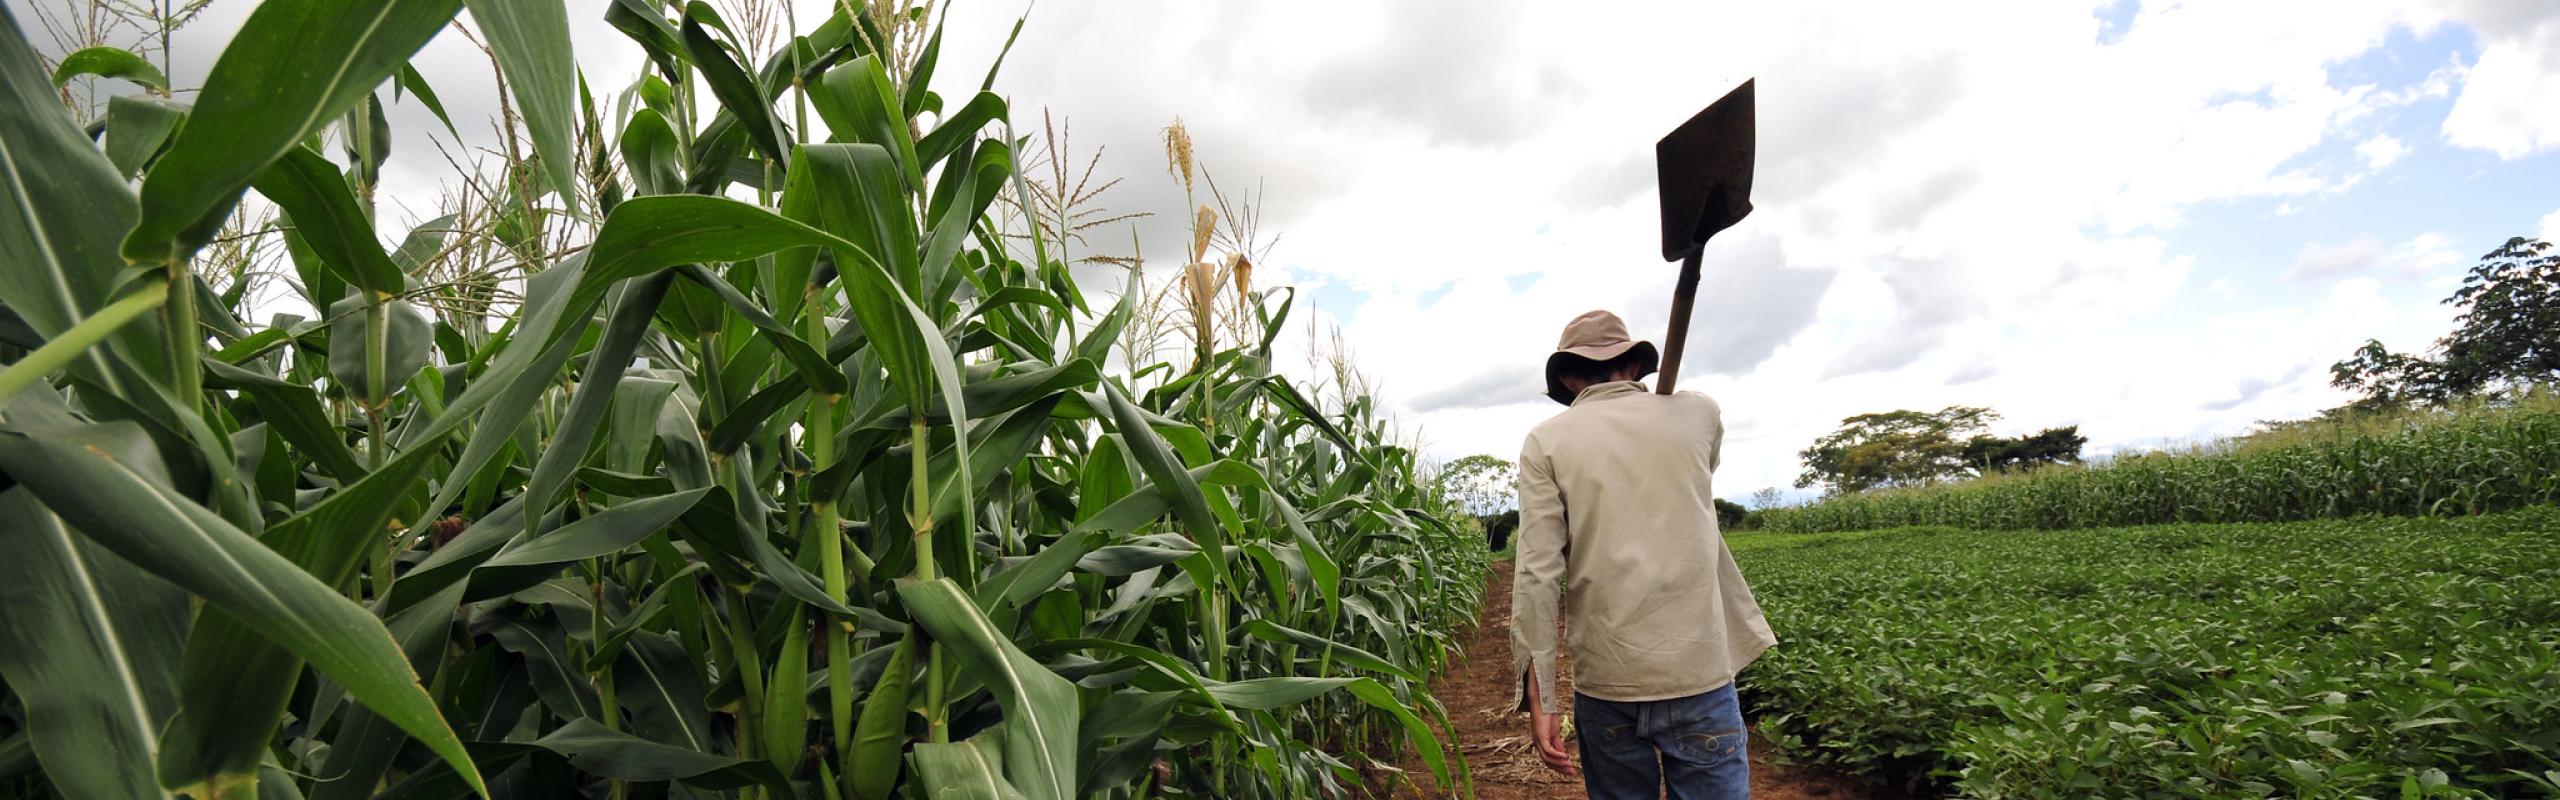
[1711, 747]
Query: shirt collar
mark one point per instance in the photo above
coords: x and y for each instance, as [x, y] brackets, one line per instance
[1602, 391]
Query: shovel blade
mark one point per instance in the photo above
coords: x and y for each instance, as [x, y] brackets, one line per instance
[1705, 170]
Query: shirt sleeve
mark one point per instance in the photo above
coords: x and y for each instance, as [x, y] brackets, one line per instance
[1539, 565]
[1715, 446]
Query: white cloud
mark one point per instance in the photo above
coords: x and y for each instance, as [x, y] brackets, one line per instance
[2510, 102]
[2421, 254]
[2549, 231]
[1982, 208]
[1973, 213]
[2381, 151]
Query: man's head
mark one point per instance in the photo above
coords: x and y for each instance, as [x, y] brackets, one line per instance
[1595, 349]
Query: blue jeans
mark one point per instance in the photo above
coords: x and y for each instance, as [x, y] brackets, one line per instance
[1694, 747]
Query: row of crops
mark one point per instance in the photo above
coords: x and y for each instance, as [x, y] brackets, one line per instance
[779, 466]
[2337, 658]
[2480, 457]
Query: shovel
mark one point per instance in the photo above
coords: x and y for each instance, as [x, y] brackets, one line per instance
[1705, 170]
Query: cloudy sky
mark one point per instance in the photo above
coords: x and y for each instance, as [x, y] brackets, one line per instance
[2160, 221]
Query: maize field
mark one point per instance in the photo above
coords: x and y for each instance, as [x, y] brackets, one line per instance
[777, 465]
[2475, 458]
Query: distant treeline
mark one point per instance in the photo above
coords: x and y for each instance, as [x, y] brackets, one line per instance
[2482, 455]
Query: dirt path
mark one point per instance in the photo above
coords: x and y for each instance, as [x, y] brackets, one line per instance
[1476, 690]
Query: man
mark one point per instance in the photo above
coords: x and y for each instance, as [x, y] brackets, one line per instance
[1616, 495]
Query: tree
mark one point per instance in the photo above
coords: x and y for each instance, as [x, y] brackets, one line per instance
[1767, 498]
[1730, 515]
[2508, 335]
[2389, 380]
[1986, 454]
[1482, 484]
[2509, 331]
[1894, 448]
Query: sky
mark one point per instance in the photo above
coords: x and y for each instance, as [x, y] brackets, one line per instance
[2159, 221]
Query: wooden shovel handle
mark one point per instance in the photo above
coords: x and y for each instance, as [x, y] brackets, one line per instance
[1683, 295]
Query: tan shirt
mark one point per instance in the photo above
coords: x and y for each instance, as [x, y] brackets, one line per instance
[1618, 493]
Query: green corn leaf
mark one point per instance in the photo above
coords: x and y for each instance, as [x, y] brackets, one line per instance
[61, 206]
[362, 751]
[999, 395]
[663, 686]
[640, 20]
[537, 349]
[591, 747]
[1041, 709]
[1317, 645]
[881, 733]
[963, 771]
[110, 62]
[88, 476]
[644, 616]
[1181, 491]
[407, 340]
[786, 706]
[736, 90]
[650, 150]
[294, 66]
[610, 531]
[556, 680]
[626, 324]
[137, 128]
[859, 105]
[309, 188]
[1018, 585]
[855, 192]
[90, 645]
[531, 40]
[235, 674]
[416, 85]
[812, 366]
[959, 126]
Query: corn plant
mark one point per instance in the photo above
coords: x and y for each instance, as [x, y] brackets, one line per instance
[782, 471]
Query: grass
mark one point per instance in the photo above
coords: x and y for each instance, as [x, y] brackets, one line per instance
[2334, 658]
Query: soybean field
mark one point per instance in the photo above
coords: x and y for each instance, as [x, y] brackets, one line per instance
[2359, 657]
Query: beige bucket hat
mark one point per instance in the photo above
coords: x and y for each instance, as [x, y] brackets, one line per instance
[1597, 336]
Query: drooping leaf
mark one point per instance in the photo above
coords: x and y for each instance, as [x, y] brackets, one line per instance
[110, 62]
[90, 645]
[293, 66]
[613, 530]
[88, 477]
[1041, 709]
[309, 188]
[532, 44]
[736, 90]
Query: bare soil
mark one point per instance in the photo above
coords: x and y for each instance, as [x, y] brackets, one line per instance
[1476, 690]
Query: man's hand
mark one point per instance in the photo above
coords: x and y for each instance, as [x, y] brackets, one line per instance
[1547, 730]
